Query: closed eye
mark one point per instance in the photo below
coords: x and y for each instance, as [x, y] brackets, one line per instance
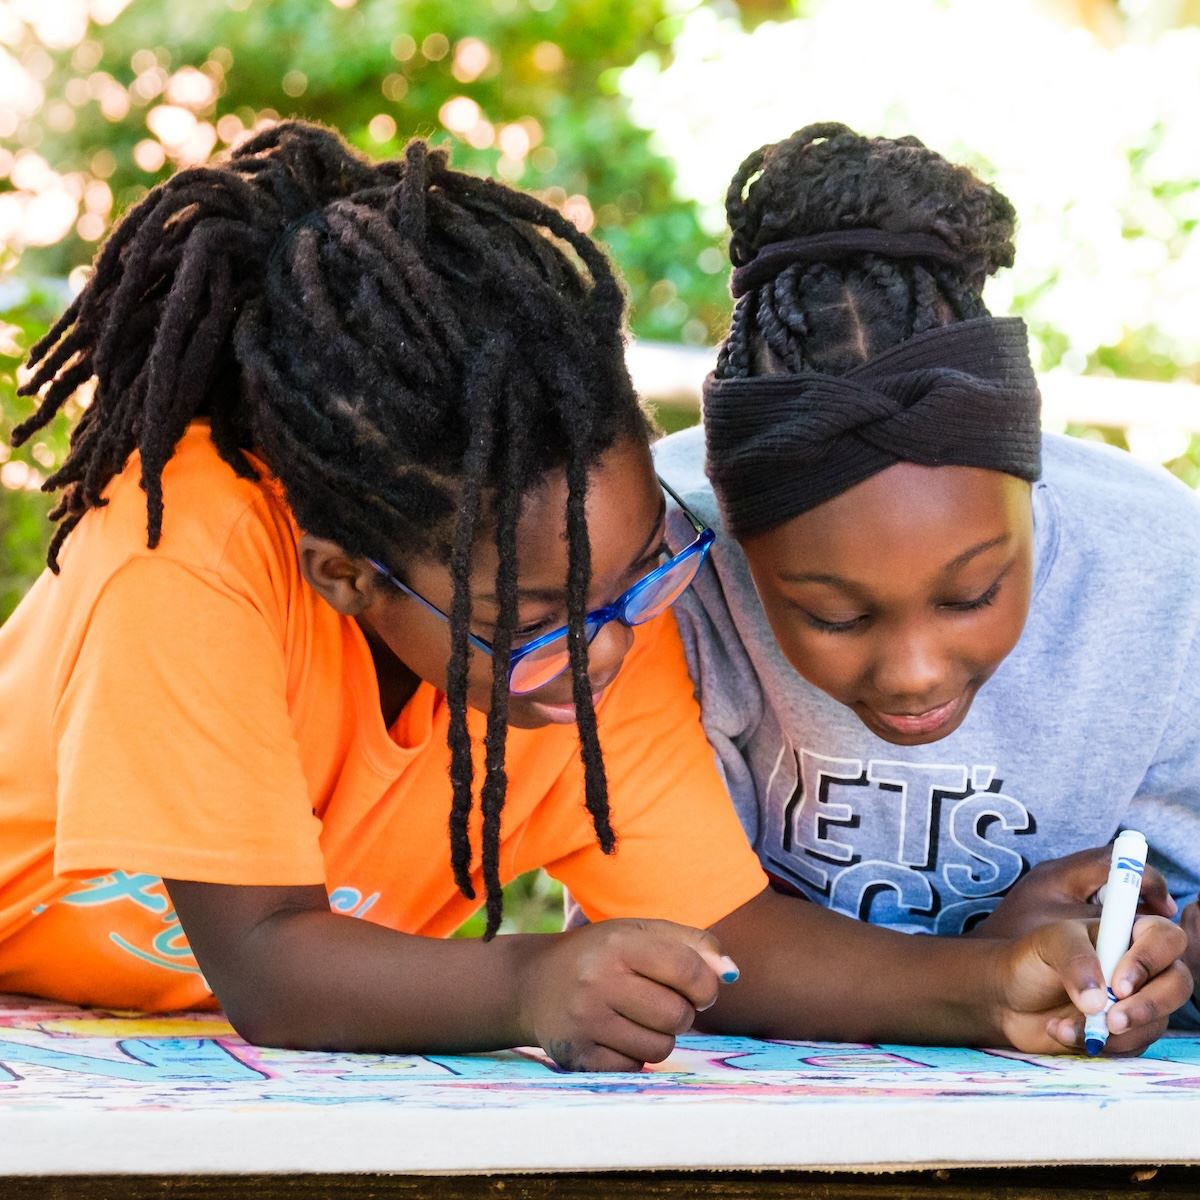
[831, 626]
[980, 601]
[641, 568]
[526, 633]
[650, 561]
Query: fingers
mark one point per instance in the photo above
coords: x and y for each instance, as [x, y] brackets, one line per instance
[1150, 979]
[1081, 874]
[709, 948]
[620, 1045]
[1155, 897]
[1134, 1022]
[1156, 944]
[1189, 922]
[689, 961]
[655, 1007]
[591, 1058]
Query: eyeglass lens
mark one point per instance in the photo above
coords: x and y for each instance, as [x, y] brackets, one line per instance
[547, 662]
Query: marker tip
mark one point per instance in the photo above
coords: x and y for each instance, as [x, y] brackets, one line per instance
[1093, 1046]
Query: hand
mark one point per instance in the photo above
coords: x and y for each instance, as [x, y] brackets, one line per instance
[1051, 977]
[1190, 923]
[614, 996]
[1061, 889]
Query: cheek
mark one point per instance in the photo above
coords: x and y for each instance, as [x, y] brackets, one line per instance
[998, 636]
[830, 662]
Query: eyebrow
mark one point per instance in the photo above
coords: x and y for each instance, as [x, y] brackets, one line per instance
[954, 564]
[557, 593]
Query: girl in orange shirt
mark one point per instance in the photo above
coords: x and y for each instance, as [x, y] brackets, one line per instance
[362, 511]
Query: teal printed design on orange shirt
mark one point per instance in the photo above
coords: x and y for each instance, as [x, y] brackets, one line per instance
[117, 886]
[349, 901]
[168, 948]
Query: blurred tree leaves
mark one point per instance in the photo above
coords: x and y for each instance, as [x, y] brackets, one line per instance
[543, 75]
[522, 89]
[24, 530]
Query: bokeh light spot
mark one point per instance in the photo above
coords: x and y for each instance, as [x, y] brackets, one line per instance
[435, 47]
[382, 127]
[471, 58]
[403, 47]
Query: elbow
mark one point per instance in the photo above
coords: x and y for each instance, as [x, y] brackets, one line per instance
[263, 1018]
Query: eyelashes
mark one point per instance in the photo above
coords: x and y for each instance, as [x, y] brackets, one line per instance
[831, 626]
[981, 601]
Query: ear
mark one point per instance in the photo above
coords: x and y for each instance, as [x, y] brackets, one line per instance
[345, 583]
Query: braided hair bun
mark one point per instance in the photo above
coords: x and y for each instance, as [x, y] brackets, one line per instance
[831, 315]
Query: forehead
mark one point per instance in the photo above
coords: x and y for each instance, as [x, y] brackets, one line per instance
[907, 517]
[623, 500]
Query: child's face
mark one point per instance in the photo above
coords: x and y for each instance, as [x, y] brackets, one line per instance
[626, 524]
[900, 597]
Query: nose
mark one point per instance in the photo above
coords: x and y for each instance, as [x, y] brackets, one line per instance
[911, 670]
[607, 653]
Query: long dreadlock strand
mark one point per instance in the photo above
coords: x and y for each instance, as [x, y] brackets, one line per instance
[495, 780]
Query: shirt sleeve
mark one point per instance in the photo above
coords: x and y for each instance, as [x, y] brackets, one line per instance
[175, 749]
[681, 853]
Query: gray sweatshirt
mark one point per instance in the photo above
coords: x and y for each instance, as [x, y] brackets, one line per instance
[1092, 723]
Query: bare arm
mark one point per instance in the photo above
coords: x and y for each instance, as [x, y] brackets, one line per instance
[811, 973]
[290, 972]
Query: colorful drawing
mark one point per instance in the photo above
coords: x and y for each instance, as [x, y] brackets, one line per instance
[53, 1055]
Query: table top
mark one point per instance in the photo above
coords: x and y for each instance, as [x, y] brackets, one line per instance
[92, 1093]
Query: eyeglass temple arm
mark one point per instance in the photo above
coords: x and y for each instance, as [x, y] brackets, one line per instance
[696, 523]
[428, 604]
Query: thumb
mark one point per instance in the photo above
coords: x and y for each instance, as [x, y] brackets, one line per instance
[1066, 948]
[708, 947]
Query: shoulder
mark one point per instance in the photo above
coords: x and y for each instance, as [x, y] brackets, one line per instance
[1116, 504]
[214, 521]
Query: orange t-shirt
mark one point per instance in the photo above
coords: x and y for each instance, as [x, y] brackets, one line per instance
[198, 712]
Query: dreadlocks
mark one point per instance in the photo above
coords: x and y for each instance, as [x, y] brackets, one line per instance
[408, 348]
[832, 315]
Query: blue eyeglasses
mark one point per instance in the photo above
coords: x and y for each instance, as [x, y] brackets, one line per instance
[536, 663]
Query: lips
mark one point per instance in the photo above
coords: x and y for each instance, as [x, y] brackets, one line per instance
[919, 723]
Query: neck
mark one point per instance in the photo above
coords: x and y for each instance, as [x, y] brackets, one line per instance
[396, 682]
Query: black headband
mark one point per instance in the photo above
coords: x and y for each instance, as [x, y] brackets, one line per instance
[960, 395]
[771, 259]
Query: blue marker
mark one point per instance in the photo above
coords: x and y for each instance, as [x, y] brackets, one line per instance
[1120, 897]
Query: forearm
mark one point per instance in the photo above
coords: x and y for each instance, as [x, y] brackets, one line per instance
[318, 980]
[811, 973]
[349, 984]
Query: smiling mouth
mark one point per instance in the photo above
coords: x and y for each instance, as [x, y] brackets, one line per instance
[911, 724]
